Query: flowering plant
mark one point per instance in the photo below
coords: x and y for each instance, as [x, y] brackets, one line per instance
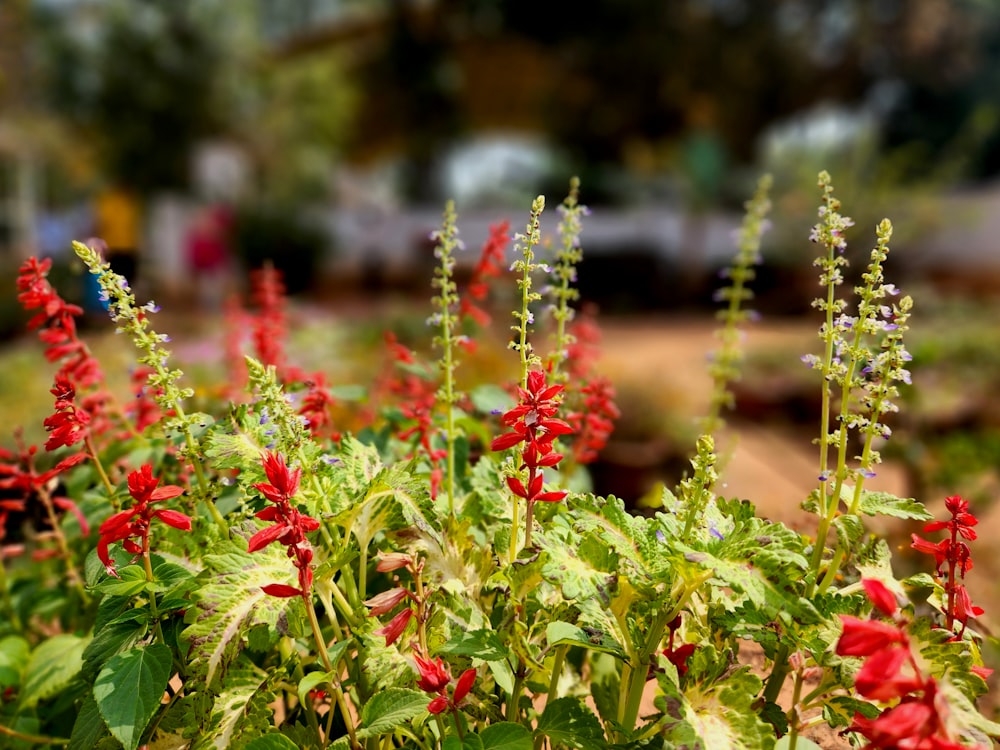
[426, 569]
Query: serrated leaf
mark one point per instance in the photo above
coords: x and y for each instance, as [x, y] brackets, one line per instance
[849, 530]
[51, 667]
[390, 709]
[506, 735]
[887, 504]
[232, 601]
[242, 709]
[129, 690]
[112, 639]
[724, 716]
[585, 570]
[481, 644]
[567, 722]
[273, 741]
[131, 580]
[89, 727]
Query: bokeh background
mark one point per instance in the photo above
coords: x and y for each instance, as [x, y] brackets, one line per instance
[199, 138]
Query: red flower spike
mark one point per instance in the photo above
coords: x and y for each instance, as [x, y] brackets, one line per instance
[128, 525]
[289, 526]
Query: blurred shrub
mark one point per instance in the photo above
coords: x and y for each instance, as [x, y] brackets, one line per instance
[283, 236]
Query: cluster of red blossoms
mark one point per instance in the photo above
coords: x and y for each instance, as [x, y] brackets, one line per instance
[418, 397]
[533, 423]
[289, 525]
[434, 675]
[129, 525]
[918, 721]
[79, 370]
[593, 420]
[954, 552]
[435, 678]
[490, 265]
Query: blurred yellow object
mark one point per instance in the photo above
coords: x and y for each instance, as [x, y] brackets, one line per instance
[118, 220]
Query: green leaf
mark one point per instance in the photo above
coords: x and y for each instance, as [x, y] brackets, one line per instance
[89, 727]
[724, 716]
[558, 633]
[131, 580]
[488, 398]
[129, 690]
[273, 741]
[51, 667]
[568, 722]
[390, 709]
[481, 644]
[839, 710]
[801, 743]
[230, 602]
[114, 638]
[242, 709]
[503, 675]
[311, 680]
[506, 735]
[14, 654]
[886, 504]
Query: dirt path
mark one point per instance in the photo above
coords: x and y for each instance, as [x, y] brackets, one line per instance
[669, 359]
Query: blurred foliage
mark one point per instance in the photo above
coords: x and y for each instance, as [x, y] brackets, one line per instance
[143, 89]
[283, 236]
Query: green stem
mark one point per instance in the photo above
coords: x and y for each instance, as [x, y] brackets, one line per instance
[629, 713]
[92, 451]
[324, 655]
[779, 671]
[32, 738]
[514, 527]
[147, 565]
[557, 665]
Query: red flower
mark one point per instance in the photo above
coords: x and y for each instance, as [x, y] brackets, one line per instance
[316, 405]
[881, 678]
[435, 678]
[128, 524]
[289, 527]
[434, 675]
[865, 637]
[395, 627]
[596, 421]
[533, 423]
[385, 602]
[489, 266]
[883, 599]
[68, 425]
[955, 553]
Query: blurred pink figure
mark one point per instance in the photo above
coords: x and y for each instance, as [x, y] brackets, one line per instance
[209, 256]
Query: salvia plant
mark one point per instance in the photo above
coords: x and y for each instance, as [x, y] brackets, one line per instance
[268, 567]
